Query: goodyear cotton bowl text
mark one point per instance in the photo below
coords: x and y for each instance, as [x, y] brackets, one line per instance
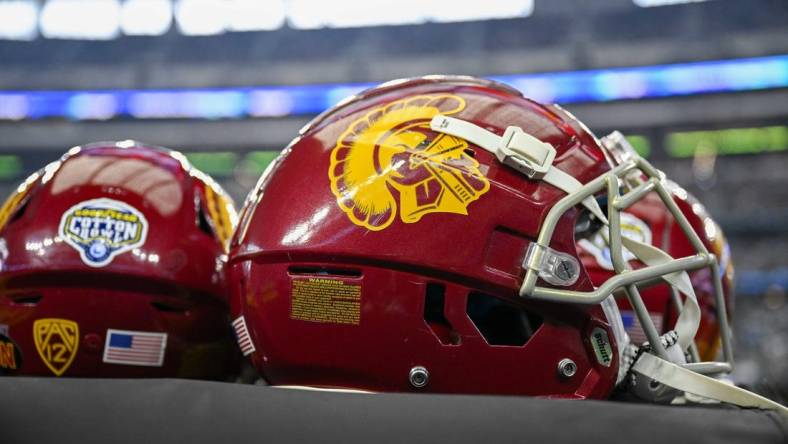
[101, 229]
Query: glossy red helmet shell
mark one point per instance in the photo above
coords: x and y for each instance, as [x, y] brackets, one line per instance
[377, 254]
[112, 266]
[649, 221]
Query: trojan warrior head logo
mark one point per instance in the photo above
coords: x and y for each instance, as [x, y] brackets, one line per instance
[390, 160]
[101, 229]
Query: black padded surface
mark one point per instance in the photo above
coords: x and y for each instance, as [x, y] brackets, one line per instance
[42, 410]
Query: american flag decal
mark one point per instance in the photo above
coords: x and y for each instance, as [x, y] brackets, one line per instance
[242, 334]
[635, 330]
[135, 348]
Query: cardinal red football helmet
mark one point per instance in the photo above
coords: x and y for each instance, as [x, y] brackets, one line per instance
[648, 221]
[420, 237]
[112, 265]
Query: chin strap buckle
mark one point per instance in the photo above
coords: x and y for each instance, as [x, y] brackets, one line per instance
[515, 148]
[519, 150]
[525, 153]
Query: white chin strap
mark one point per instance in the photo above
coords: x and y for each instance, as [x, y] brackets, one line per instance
[681, 378]
[689, 319]
[519, 150]
[534, 158]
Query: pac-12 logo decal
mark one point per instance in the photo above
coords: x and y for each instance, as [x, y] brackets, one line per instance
[390, 160]
[631, 227]
[101, 229]
[57, 341]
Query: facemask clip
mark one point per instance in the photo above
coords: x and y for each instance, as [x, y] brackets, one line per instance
[552, 266]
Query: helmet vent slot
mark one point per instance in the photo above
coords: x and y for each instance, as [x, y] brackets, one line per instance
[434, 306]
[323, 271]
[203, 224]
[26, 299]
[20, 211]
[169, 308]
[501, 323]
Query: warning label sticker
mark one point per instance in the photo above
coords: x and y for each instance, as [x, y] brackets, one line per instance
[332, 301]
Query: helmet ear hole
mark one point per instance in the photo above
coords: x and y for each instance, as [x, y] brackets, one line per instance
[434, 306]
[499, 322]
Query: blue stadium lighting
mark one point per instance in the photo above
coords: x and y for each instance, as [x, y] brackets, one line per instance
[274, 101]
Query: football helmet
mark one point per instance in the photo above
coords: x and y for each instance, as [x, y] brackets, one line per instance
[112, 265]
[420, 236]
[649, 221]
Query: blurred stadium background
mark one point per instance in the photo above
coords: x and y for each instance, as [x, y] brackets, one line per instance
[700, 87]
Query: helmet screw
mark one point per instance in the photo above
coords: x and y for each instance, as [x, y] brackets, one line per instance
[419, 377]
[567, 368]
[565, 270]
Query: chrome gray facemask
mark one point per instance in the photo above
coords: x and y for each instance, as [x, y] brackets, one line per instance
[661, 363]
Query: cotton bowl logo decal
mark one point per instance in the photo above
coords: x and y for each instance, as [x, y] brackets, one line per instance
[390, 160]
[101, 229]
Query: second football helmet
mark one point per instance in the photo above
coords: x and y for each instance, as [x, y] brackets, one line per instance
[649, 221]
[112, 265]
